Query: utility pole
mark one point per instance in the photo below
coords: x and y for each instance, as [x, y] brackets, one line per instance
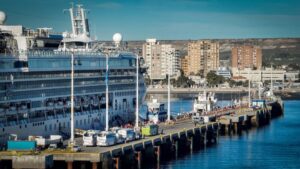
[72, 99]
[106, 95]
[137, 93]
[169, 93]
[249, 89]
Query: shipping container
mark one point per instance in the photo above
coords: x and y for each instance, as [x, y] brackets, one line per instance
[150, 130]
[21, 145]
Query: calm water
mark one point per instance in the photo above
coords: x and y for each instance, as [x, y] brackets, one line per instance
[274, 146]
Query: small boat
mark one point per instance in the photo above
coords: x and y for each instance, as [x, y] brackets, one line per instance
[205, 102]
[156, 112]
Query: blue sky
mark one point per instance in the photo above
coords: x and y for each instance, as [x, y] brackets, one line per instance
[165, 19]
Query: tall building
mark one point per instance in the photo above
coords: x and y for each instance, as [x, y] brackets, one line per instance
[170, 59]
[151, 55]
[160, 59]
[184, 64]
[246, 56]
[203, 56]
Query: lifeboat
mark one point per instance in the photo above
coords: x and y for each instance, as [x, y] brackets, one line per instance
[23, 106]
[12, 108]
[77, 103]
[86, 104]
[60, 103]
[95, 102]
[50, 103]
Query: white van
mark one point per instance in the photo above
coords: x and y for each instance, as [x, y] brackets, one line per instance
[127, 134]
[106, 138]
[89, 139]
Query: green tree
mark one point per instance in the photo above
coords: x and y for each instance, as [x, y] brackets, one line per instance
[213, 79]
[183, 81]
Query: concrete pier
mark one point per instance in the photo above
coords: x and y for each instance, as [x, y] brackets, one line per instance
[137, 153]
[178, 139]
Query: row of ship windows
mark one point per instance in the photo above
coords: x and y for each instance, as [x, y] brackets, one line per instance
[84, 122]
[64, 63]
[65, 83]
[49, 93]
[9, 76]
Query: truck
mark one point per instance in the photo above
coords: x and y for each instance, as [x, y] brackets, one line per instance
[45, 142]
[150, 130]
[21, 145]
[201, 119]
[198, 119]
[106, 138]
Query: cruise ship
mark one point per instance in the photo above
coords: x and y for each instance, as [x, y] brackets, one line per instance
[35, 80]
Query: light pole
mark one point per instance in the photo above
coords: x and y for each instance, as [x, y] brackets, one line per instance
[169, 92]
[72, 99]
[249, 89]
[137, 93]
[106, 95]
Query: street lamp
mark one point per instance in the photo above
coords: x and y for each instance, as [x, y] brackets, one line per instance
[169, 93]
[137, 93]
[106, 95]
[72, 100]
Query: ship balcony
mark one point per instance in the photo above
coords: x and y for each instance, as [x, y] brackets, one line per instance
[11, 112]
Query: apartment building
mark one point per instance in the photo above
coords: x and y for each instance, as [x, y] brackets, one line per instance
[203, 56]
[246, 56]
[160, 59]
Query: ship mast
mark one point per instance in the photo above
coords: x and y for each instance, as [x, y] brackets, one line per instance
[79, 21]
[137, 93]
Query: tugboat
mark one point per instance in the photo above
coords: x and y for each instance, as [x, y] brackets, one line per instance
[204, 103]
[156, 112]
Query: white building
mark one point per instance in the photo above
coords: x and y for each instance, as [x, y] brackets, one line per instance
[160, 59]
[170, 59]
[260, 75]
[224, 71]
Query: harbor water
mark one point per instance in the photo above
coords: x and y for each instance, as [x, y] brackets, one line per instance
[276, 145]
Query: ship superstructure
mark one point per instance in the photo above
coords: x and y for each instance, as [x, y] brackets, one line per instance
[204, 103]
[35, 84]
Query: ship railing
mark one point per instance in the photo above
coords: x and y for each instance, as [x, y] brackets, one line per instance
[49, 53]
[37, 119]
